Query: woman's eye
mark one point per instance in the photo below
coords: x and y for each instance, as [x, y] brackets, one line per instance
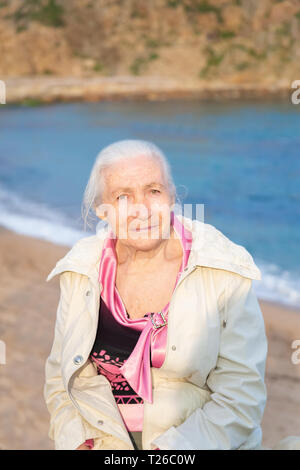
[121, 196]
[155, 191]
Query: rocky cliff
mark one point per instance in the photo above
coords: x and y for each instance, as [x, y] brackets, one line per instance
[235, 42]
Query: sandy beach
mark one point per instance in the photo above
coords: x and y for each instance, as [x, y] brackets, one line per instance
[28, 309]
[39, 89]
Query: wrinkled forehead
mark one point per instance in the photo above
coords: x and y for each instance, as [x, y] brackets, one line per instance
[133, 174]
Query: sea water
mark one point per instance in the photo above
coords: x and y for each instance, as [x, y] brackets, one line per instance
[241, 160]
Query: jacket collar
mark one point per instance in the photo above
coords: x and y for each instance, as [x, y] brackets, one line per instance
[210, 248]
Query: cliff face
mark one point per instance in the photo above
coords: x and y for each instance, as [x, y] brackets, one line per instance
[236, 41]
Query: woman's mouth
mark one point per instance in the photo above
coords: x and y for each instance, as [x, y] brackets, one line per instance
[145, 228]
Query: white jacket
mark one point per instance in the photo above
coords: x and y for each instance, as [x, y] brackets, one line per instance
[210, 391]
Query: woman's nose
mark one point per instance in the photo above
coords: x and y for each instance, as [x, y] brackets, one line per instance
[139, 208]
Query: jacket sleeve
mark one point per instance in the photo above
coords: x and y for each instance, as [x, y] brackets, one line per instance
[231, 418]
[67, 427]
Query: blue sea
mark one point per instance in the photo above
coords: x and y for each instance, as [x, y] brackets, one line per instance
[240, 159]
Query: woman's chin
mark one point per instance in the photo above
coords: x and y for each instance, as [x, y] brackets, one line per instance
[146, 241]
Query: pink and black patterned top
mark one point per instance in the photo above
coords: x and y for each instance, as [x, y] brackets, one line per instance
[126, 349]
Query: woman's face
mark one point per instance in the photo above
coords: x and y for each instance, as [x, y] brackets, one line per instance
[135, 198]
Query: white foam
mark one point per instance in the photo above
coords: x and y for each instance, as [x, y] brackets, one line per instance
[36, 220]
[42, 229]
[278, 285]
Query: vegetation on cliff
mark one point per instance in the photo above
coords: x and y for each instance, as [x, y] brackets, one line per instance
[236, 41]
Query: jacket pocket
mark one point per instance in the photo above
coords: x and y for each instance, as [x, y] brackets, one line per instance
[173, 403]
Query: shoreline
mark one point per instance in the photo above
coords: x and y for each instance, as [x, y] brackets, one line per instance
[52, 89]
[28, 312]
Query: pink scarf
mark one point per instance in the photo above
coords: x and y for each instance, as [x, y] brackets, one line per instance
[153, 327]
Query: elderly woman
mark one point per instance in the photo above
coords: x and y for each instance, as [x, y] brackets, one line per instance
[159, 338]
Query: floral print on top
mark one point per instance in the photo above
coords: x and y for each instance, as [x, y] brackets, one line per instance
[113, 345]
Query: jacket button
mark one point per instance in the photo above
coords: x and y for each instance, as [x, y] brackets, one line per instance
[100, 421]
[78, 360]
[185, 269]
[88, 292]
[173, 348]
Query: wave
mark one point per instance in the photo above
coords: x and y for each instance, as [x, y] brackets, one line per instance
[278, 285]
[41, 221]
[37, 220]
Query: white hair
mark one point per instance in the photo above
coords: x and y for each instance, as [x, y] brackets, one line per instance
[113, 153]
